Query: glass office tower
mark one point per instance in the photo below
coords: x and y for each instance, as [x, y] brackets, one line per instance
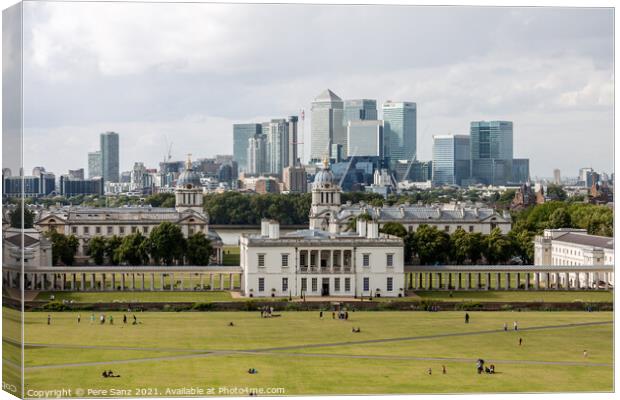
[365, 138]
[451, 159]
[110, 169]
[491, 151]
[326, 127]
[241, 134]
[400, 127]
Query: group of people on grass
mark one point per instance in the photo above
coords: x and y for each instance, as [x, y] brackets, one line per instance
[267, 312]
[109, 374]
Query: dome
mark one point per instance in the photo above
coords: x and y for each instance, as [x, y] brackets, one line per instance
[188, 178]
[324, 177]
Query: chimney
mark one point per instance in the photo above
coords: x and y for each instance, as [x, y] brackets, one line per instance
[264, 227]
[361, 227]
[274, 230]
[373, 230]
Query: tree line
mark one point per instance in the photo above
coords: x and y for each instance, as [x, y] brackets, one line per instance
[164, 245]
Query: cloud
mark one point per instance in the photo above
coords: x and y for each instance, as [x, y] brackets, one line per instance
[191, 70]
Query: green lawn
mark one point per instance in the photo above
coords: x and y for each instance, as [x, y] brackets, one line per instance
[520, 295]
[134, 297]
[182, 339]
[231, 255]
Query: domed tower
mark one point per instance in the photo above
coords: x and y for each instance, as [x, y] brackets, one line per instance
[188, 192]
[325, 198]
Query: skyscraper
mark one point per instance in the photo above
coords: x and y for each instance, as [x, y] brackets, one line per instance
[241, 134]
[327, 128]
[365, 138]
[450, 159]
[292, 141]
[359, 110]
[491, 151]
[277, 146]
[400, 120]
[94, 164]
[109, 156]
[557, 178]
[256, 155]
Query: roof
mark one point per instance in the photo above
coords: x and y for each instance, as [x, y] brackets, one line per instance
[327, 95]
[420, 213]
[121, 214]
[17, 240]
[587, 240]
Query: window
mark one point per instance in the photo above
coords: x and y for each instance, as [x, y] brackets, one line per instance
[74, 229]
[390, 260]
[261, 260]
[145, 229]
[366, 260]
[284, 284]
[134, 229]
[366, 284]
[121, 230]
[302, 258]
[109, 230]
[304, 284]
[86, 230]
[261, 284]
[446, 228]
[347, 284]
[314, 284]
[471, 228]
[97, 229]
[285, 260]
[390, 284]
[336, 284]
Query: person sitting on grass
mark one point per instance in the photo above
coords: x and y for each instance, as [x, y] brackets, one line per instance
[487, 370]
[444, 370]
[252, 371]
[492, 369]
[231, 323]
[429, 371]
[105, 374]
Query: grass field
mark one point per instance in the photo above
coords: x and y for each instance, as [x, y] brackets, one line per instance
[306, 355]
[514, 295]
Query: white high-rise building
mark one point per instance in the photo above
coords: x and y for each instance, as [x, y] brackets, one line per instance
[327, 128]
[400, 119]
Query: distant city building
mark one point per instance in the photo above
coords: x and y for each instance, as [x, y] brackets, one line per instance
[265, 185]
[295, 179]
[109, 147]
[293, 157]
[600, 193]
[520, 170]
[257, 155]
[413, 171]
[359, 110]
[70, 186]
[557, 178]
[400, 130]
[327, 128]
[76, 173]
[491, 152]
[527, 196]
[451, 159]
[365, 138]
[241, 134]
[583, 176]
[39, 184]
[94, 164]
[277, 146]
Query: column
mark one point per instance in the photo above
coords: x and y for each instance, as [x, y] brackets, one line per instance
[142, 288]
[172, 282]
[488, 281]
[457, 283]
[507, 275]
[557, 281]
[161, 281]
[449, 281]
[83, 282]
[566, 281]
[596, 279]
[152, 281]
[577, 284]
[102, 282]
[497, 282]
[479, 281]
[232, 282]
[202, 281]
[92, 282]
[113, 281]
[133, 281]
[33, 281]
[212, 286]
[548, 276]
[527, 281]
[536, 280]
[606, 279]
[468, 278]
[222, 279]
[518, 285]
[123, 281]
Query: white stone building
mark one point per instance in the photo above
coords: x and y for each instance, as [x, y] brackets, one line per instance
[35, 252]
[574, 247]
[322, 262]
[88, 222]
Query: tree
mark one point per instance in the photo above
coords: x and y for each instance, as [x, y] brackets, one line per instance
[16, 217]
[97, 249]
[431, 245]
[560, 218]
[111, 249]
[466, 246]
[394, 228]
[166, 243]
[556, 192]
[198, 249]
[523, 244]
[497, 247]
[133, 250]
[63, 247]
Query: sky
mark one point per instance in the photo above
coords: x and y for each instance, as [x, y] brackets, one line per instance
[184, 73]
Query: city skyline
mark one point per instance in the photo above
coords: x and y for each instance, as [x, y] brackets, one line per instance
[556, 89]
